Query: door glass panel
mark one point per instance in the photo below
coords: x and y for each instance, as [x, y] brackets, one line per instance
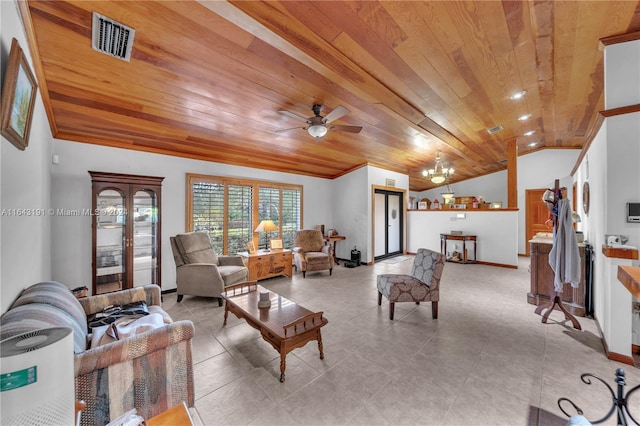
[145, 238]
[393, 222]
[110, 239]
[380, 225]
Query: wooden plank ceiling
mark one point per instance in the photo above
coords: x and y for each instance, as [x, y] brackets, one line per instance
[206, 79]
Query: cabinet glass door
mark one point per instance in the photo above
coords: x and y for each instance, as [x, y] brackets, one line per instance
[110, 241]
[145, 238]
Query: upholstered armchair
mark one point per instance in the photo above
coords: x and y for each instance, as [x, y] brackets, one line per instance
[310, 252]
[423, 285]
[200, 271]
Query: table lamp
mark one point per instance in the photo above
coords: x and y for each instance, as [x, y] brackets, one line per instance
[266, 226]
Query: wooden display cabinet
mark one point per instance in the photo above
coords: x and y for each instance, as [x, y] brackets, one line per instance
[126, 231]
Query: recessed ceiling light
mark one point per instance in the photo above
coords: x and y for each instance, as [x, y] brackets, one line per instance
[518, 95]
[529, 133]
[532, 144]
[524, 117]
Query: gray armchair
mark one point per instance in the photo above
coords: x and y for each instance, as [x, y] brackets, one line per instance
[310, 252]
[423, 285]
[200, 271]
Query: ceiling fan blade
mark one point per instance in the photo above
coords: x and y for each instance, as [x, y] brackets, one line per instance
[292, 115]
[338, 112]
[290, 128]
[341, 128]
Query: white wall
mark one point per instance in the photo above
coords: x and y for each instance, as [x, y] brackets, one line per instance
[71, 189]
[352, 204]
[493, 187]
[495, 232]
[535, 170]
[24, 187]
[538, 170]
[610, 166]
[351, 212]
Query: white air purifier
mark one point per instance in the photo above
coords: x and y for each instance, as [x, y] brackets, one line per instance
[36, 378]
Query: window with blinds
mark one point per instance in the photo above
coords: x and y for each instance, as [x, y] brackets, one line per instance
[290, 218]
[228, 210]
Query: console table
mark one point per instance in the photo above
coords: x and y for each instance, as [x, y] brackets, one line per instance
[467, 239]
[266, 264]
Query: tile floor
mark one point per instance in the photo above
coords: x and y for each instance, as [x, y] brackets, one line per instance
[487, 359]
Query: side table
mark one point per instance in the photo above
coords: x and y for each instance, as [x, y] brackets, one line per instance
[266, 264]
[335, 240]
[467, 240]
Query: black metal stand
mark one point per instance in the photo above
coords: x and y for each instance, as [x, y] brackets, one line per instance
[620, 400]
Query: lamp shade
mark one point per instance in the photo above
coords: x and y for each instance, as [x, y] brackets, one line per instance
[266, 226]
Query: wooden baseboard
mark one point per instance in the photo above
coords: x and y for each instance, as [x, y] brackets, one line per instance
[613, 356]
[499, 265]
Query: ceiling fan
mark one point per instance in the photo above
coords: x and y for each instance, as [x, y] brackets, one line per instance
[317, 125]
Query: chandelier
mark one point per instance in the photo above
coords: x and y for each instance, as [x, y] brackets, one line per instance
[438, 174]
[447, 194]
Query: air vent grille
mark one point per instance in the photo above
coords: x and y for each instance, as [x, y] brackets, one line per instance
[111, 37]
[495, 129]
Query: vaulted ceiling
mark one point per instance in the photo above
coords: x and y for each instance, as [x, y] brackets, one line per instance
[207, 79]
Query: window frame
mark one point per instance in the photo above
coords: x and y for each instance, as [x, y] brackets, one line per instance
[192, 178]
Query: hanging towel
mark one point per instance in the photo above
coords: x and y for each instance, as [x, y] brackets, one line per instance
[564, 257]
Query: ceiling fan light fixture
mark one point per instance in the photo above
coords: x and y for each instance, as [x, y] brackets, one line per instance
[317, 130]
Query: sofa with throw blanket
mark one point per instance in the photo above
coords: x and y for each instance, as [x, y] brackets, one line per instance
[151, 371]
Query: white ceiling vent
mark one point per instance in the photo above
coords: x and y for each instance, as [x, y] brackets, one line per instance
[495, 129]
[111, 37]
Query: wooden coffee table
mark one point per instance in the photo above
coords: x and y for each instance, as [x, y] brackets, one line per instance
[285, 325]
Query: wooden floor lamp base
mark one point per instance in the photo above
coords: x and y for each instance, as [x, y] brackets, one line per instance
[556, 300]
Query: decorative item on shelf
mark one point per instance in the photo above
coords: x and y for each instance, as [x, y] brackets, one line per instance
[495, 205]
[267, 226]
[426, 200]
[438, 174]
[265, 300]
[411, 202]
[475, 203]
[422, 205]
[436, 204]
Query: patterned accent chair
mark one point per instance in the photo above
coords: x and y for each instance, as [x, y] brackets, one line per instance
[310, 253]
[200, 271]
[423, 285]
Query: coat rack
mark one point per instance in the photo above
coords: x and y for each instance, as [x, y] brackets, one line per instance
[556, 298]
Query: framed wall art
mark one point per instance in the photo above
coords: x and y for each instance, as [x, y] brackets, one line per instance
[18, 98]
